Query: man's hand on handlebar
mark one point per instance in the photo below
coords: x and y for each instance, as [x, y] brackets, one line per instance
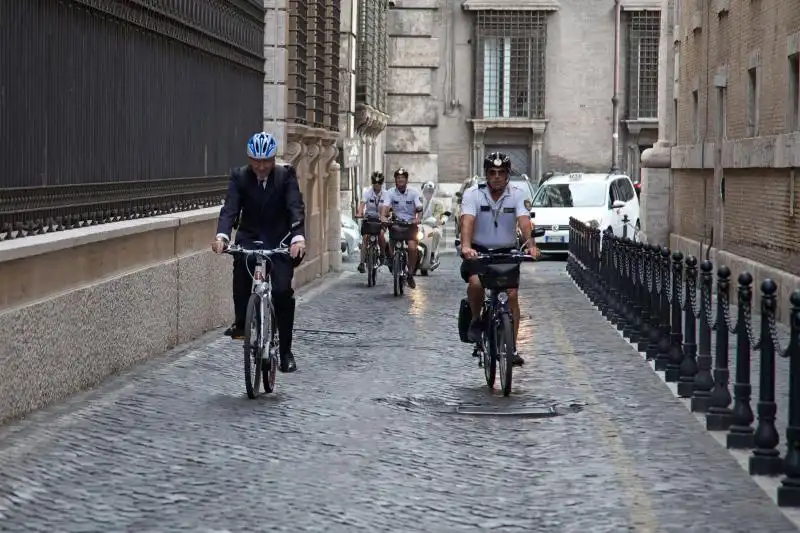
[533, 250]
[219, 245]
[468, 253]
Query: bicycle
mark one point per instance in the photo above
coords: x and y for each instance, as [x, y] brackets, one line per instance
[497, 345]
[260, 338]
[372, 227]
[399, 233]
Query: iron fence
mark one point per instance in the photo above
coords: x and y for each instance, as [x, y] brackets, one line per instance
[117, 109]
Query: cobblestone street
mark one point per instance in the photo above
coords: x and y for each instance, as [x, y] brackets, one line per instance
[364, 436]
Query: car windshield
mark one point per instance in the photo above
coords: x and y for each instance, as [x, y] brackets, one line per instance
[579, 194]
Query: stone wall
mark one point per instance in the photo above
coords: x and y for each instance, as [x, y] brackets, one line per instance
[738, 130]
[80, 305]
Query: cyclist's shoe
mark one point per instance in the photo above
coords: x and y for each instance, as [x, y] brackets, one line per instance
[361, 268]
[288, 363]
[517, 360]
[475, 331]
[235, 332]
[411, 283]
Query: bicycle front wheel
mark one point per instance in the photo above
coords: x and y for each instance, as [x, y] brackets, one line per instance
[253, 347]
[371, 260]
[269, 360]
[397, 273]
[504, 341]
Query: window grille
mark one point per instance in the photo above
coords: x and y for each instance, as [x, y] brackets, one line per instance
[372, 46]
[298, 26]
[332, 23]
[382, 76]
[510, 64]
[644, 30]
[315, 73]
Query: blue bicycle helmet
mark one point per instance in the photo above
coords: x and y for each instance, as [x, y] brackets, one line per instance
[262, 146]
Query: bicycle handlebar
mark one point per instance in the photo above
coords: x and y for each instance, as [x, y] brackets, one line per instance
[513, 257]
[235, 249]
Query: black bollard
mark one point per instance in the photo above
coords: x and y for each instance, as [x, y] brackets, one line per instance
[766, 460]
[741, 433]
[613, 279]
[602, 280]
[689, 363]
[719, 412]
[789, 491]
[673, 372]
[623, 284]
[655, 302]
[634, 305]
[645, 285]
[664, 341]
[703, 380]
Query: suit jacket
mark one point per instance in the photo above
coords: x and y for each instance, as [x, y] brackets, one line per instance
[263, 215]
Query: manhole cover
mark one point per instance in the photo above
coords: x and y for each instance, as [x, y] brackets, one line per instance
[497, 410]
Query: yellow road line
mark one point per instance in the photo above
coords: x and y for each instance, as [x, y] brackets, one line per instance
[641, 509]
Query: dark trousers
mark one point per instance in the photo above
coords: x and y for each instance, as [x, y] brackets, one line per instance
[283, 301]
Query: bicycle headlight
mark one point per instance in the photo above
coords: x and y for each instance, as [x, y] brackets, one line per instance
[420, 235]
[502, 298]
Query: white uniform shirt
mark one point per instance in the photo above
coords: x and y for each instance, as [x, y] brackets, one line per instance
[404, 204]
[495, 222]
[372, 201]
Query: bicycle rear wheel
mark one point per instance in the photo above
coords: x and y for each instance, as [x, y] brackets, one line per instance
[253, 347]
[504, 341]
[269, 363]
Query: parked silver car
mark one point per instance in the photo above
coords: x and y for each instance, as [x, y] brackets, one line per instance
[350, 236]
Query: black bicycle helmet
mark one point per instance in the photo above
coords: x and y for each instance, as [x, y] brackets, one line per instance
[497, 160]
[377, 177]
[401, 172]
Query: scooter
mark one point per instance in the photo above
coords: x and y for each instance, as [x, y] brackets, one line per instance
[428, 241]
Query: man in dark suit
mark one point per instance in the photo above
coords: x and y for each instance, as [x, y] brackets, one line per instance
[266, 200]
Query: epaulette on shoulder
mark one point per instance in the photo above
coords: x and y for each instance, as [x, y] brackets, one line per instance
[482, 185]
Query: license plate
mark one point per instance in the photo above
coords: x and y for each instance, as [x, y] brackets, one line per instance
[553, 239]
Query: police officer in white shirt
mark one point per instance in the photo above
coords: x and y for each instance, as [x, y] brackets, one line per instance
[406, 203]
[490, 213]
[370, 208]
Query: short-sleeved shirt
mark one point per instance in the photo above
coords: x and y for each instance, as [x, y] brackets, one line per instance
[495, 222]
[404, 204]
[372, 201]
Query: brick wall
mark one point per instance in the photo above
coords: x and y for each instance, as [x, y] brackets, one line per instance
[755, 216]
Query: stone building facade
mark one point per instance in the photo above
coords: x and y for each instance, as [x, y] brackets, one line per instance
[722, 181]
[363, 74]
[532, 77]
[301, 107]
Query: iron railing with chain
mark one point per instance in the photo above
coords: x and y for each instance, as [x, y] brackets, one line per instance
[651, 295]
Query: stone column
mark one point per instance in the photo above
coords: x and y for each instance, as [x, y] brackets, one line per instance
[656, 218]
[334, 208]
[275, 61]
